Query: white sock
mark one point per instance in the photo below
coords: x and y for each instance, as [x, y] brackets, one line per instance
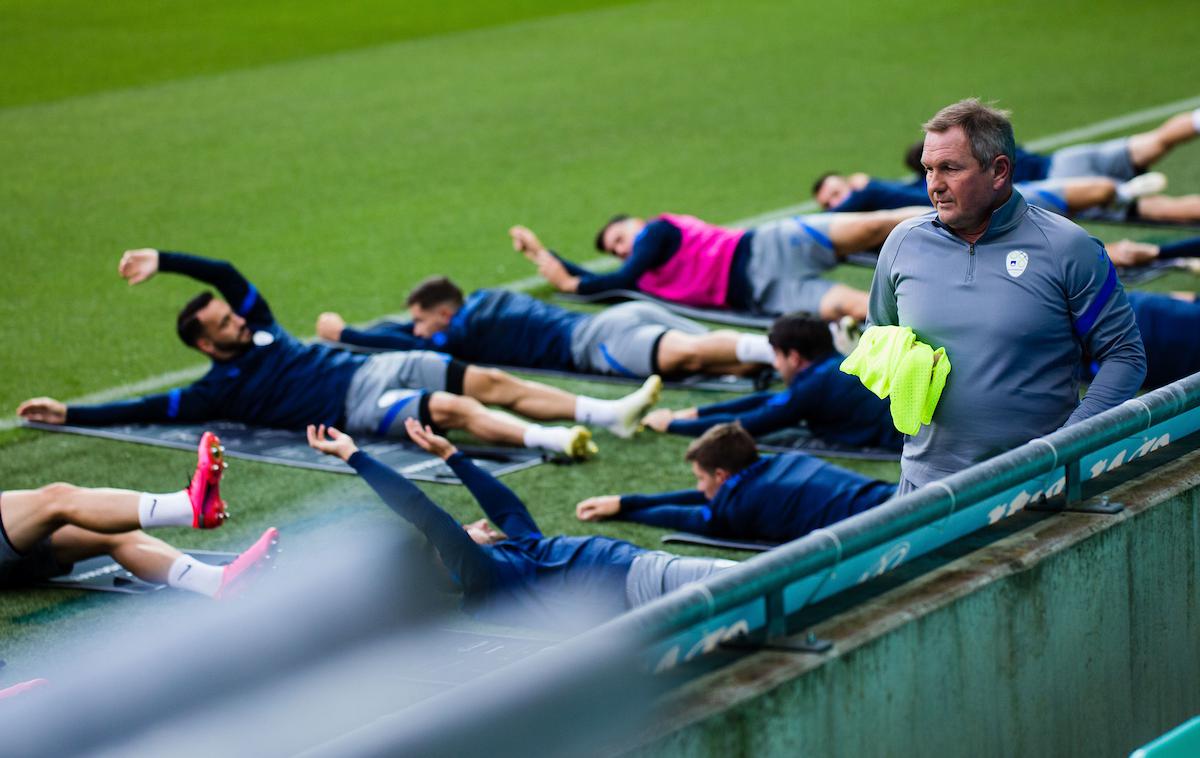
[171, 509]
[1196, 120]
[548, 437]
[754, 348]
[192, 575]
[591, 410]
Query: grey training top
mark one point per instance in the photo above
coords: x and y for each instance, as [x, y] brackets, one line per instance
[1015, 311]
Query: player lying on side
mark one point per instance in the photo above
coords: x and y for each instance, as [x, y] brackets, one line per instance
[511, 328]
[741, 495]
[510, 573]
[262, 375]
[773, 268]
[45, 531]
[834, 406]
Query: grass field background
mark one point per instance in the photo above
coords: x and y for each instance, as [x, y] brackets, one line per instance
[340, 156]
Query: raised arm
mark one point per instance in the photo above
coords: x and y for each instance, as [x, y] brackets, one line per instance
[468, 562]
[656, 244]
[500, 503]
[137, 266]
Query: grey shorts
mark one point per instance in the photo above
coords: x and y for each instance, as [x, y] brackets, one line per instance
[787, 258]
[655, 573]
[391, 387]
[17, 568]
[622, 339]
[1109, 159]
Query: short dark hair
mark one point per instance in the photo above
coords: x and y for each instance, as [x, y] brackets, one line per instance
[187, 325]
[912, 156]
[600, 234]
[802, 332]
[725, 446]
[988, 130]
[435, 291]
[821, 180]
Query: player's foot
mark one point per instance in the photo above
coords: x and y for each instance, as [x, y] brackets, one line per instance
[21, 687]
[253, 560]
[1150, 183]
[208, 509]
[579, 443]
[633, 406]
[846, 333]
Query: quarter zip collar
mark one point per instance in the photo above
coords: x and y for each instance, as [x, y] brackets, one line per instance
[1004, 219]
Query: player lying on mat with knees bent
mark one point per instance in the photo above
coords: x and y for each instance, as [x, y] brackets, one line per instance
[834, 406]
[263, 375]
[742, 495]
[45, 531]
[512, 328]
[510, 573]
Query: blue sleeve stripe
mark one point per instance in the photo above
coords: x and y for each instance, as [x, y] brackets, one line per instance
[1085, 322]
[248, 301]
[706, 513]
[173, 402]
[821, 239]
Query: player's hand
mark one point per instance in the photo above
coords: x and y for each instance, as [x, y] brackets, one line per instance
[553, 271]
[330, 326]
[859, 180]
[427, 440]
[1129, 253]
[137, 266]
[658, 419]
[331, 441]
[598, 508]
[525, 241]
[47, 410]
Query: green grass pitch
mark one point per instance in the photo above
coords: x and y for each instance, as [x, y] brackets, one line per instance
[338, 156]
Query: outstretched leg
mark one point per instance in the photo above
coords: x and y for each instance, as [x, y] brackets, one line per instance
[460, 412]
[546, 403]
[1148, 147]
[842, 300]
[858, 232]
[718, 352]
[1183, 209]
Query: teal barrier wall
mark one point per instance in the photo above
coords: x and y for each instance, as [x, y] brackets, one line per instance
[1093, 649]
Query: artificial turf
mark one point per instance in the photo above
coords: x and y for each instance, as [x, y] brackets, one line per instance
[340, 156]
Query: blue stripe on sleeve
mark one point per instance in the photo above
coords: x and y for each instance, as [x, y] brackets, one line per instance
[173, 402]
[248, 301]
[1088, 319]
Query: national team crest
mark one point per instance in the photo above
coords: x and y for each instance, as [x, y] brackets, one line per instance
[1016, 262]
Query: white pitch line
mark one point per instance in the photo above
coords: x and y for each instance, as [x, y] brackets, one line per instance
[1045, 143]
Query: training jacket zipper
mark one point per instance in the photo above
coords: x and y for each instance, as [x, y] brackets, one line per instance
[970, 263]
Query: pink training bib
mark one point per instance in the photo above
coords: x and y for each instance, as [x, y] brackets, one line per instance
[698, 273]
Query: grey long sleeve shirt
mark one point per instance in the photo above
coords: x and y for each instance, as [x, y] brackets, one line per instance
[1015, 311]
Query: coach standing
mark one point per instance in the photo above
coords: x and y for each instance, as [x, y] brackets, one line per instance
[1015, 294]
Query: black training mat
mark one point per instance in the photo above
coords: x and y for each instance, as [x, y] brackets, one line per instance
[1152, 270]
[715, 315]
[801, 440]
[103, 574]
[289, 448]
[687, 538]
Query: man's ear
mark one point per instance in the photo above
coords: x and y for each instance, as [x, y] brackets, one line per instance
[720, 475]
[205, 345]
[1003, 168]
